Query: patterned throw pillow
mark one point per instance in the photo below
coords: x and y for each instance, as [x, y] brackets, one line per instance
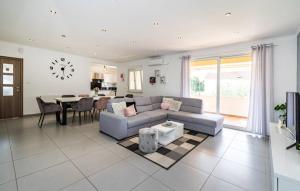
[118, 108]
[175, 105]
[167, 100]
[129, 111]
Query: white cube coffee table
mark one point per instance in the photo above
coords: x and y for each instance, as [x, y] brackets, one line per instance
[168, 134]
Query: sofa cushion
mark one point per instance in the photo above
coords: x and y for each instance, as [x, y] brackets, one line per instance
[166, 111]
[156, 101]
[143, 104]
[139, 119]
[156, 115]
[117, 100]
[191, 105]
[207, 119]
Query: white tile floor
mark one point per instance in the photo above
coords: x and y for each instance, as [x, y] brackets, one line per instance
[80, 158]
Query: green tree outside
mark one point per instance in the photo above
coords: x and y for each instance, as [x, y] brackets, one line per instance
[197, 85]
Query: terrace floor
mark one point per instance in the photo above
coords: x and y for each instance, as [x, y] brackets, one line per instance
[236, 121]
[77, 157]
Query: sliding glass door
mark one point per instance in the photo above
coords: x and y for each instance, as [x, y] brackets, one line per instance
[204, 82]
[223, 83]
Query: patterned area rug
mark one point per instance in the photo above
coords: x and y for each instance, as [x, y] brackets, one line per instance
[167, 156]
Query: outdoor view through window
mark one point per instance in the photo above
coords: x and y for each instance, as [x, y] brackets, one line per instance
[223, 84]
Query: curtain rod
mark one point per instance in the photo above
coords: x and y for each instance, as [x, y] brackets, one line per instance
[244, 52]
[269, 44]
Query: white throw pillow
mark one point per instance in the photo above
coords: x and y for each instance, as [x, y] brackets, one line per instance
[167, 100]
[175, 105]
[118, 108]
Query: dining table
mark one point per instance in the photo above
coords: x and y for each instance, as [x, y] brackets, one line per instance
[65, 102]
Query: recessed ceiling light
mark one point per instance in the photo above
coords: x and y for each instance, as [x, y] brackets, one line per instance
[104, 30]
[155, 24]
[63, 36]
[53, 12]
[228, 14]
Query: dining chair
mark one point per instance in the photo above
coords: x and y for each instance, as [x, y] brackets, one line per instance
[100, 104]
[129, 95]
[47, 108]
[69, 105]
[83, 105]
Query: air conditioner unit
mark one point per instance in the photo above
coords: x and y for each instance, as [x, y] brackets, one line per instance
[156, 61]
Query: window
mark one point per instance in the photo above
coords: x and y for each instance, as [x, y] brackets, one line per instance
[135, 81]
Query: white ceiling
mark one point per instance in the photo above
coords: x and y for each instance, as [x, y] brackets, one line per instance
[131, 33]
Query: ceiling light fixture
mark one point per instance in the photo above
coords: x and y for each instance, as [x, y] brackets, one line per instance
[52, 12]
[104, 30]
[179, 37]
[228, 14]
[155, 24]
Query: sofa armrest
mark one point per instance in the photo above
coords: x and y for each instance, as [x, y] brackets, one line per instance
[113, 125]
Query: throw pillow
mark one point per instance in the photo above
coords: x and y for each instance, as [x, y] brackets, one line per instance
[118, 108]
[175, 105]
[130, 103]
[129, 111]
[167, 100]
[164, 105]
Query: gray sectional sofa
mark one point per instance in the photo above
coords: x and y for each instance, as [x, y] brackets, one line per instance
[149, 114]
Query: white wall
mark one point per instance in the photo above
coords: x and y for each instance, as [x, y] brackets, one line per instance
[38, 80]
[285, 67]
[170, 71]
[109, 73]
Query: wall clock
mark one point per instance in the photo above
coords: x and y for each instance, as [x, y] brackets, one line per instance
[62, 69]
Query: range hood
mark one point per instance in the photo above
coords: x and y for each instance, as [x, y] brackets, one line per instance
[98, 76]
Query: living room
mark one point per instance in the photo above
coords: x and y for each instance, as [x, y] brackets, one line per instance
[143, 95]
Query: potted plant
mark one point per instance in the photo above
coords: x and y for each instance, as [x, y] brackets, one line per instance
[281, 109]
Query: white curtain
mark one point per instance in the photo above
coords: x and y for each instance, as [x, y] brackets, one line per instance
[261, 94]
[185, 76]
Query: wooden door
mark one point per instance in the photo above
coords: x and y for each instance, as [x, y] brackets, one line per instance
[11, 87]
